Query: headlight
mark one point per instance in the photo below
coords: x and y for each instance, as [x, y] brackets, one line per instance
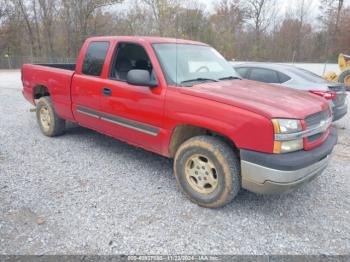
[287, 126]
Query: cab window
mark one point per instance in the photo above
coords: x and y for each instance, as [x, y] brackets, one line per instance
[94, 58]
[129, 56]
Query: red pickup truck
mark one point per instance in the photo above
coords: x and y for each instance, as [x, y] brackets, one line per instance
[182, 99]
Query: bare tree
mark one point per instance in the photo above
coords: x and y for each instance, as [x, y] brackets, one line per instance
[37, 27]
[240, 29]
[192, 22]
[164, 15]
[339, 7]
[76, 15]
[343, 38]
[3, 16]
[21, 5]
[261, 13]
[47, 13]
[330, 17]
[84, 9]
[67, 22]
[227, 24]
[301, 13]
[2, 9]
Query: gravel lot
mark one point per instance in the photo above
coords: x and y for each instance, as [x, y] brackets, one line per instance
[86, 193]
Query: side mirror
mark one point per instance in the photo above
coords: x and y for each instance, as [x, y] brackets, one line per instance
[139, 77]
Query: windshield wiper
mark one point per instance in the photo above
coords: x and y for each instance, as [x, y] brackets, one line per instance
[230, 78]
[199, 79]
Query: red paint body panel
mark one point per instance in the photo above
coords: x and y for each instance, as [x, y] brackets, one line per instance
[247, 129]
[58, 81]
[239, 109]
[268, 100]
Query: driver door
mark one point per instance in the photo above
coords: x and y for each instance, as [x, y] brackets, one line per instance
[132, 113]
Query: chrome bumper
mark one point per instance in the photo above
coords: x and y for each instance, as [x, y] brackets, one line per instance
[272, 173]
[264, 180]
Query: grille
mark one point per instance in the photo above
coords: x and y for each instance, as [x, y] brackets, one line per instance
[315, 119]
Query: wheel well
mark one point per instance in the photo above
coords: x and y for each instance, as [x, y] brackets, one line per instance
[184, 132]
[40, 91]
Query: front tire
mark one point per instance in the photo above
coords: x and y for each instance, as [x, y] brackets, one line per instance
[50, 123]
[207, 171]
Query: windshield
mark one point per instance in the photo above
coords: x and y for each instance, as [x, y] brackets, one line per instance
[189, 64]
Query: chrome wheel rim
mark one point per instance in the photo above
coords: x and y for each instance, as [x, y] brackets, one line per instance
[201, 174]
[45, 118]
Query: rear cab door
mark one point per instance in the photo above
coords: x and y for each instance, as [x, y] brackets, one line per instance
[87, 83]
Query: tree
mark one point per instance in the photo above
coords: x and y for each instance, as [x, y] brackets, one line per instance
[2, 10]
[240, 29]
[261, 14]
[47, 15]
[330, 18]
[301, 14]
[343, 38]
[22, 5]
[77, 16]
[227, 23]
[165, 15]
[37, 27]
[137, 19]
[191, 22]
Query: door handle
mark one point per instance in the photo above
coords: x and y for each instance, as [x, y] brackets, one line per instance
[107, 91]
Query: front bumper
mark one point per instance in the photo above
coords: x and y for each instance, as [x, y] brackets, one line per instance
[270, 173]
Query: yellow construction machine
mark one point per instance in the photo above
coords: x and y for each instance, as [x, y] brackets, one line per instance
[344, 77]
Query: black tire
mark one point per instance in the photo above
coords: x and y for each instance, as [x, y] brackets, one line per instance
[345, 75]
[227, 170]
[56, 125]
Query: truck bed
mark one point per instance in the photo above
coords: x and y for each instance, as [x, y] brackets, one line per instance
[56, 77]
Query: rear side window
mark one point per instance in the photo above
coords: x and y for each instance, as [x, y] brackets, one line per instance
[242, 71]
[95, 58]
[264, 75]
[283, 78]
[307, 75]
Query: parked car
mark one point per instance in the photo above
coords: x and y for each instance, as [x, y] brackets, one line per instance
[182, 99]
[297, 78]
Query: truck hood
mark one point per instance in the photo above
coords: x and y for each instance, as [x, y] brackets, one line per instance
[268, 100]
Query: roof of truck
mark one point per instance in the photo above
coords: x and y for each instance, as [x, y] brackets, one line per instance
[148, 39]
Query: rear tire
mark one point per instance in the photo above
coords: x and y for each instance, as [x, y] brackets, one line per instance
[207, 171]
[50, 123]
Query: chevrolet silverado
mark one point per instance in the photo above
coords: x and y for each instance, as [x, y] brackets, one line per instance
[183, 100]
